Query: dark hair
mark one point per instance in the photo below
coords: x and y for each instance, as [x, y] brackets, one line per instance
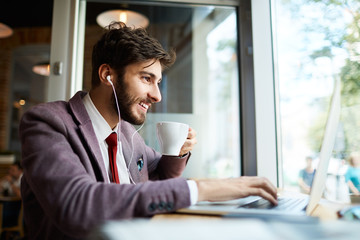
[121, 46]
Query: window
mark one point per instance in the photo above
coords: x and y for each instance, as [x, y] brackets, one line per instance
[201, 88]
[315, 43]
[22, 87]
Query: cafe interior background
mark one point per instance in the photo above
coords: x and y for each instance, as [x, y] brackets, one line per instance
[24, 42]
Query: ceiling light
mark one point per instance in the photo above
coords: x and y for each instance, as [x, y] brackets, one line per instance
[22, 102]
[5, 31]
[42, 69]
[130, 18]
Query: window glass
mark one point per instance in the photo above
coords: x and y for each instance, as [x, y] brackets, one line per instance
[201, 88]
[22, 52]
[316, 43]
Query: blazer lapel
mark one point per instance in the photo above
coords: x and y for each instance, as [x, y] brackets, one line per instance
[93, 147]
[88, 133]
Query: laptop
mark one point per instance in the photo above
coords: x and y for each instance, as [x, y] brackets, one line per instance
[290, 204]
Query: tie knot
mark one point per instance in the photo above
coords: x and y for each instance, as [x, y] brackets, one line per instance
[111, 140]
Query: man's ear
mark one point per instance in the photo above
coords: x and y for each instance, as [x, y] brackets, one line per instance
[105, 72]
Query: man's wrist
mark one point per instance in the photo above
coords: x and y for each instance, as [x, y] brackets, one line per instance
[184, 155]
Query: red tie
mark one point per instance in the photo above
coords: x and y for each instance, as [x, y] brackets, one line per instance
[111, 140]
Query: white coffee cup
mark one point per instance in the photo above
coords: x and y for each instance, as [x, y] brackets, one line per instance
[171, 136]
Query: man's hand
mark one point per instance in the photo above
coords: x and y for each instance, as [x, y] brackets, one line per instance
[7, 178]
[189, 142]
[233, 188]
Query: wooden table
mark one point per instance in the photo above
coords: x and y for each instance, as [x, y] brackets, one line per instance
[9, 198]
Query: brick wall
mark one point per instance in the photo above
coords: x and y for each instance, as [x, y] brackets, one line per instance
[92, 35]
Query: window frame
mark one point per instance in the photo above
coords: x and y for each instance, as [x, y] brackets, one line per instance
[267, 146]
[67, 49]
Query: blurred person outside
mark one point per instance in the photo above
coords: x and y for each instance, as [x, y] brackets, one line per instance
[352, 175]
[306, 176]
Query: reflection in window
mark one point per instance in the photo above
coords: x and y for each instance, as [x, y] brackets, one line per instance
[316, 43]
[201, 88]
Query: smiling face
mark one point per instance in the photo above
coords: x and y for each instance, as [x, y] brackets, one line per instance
[138, 89]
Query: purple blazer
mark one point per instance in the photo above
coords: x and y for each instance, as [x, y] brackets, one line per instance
[63, 187]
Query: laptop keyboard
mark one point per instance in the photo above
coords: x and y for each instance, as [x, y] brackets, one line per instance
[283, 204]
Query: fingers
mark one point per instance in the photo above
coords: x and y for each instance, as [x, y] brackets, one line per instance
[189, 142]
[8, 178]
[191, 134]
[265, 184]
[233, 188]
[266, 195]
[187, 147]
[262, 187]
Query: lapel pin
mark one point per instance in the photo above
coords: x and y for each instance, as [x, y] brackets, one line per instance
[140, 163]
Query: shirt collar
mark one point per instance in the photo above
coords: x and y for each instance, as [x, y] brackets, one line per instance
[101, 127]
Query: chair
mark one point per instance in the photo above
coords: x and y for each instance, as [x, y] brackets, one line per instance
[19, 227]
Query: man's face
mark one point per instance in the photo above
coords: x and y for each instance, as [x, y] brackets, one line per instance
[309, 162]
[138, 90]
[356, 161]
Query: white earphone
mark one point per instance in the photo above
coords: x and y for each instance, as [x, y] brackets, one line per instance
[108, 78]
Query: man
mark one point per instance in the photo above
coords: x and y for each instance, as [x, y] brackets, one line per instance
[352, 175]
[306, 176]
[10, 184]
[68, 185]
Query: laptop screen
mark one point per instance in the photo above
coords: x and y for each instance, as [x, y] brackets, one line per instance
[326, 149]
